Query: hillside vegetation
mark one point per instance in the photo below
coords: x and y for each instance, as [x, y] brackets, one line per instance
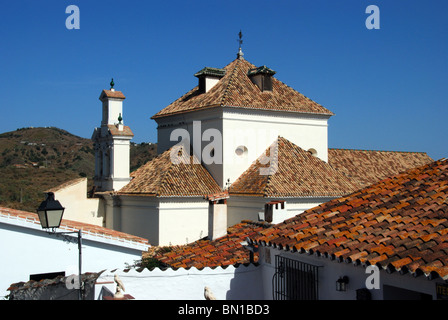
[33, 160]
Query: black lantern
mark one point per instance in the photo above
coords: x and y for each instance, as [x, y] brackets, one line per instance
[341, 283]
[50, 212]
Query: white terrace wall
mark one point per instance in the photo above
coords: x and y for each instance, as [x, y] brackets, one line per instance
[231, 283]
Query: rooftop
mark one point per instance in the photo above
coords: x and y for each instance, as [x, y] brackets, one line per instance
[69, 225]
[163, 177]
[223, 251]
[297, 173]
[235, 89]
[399, 224]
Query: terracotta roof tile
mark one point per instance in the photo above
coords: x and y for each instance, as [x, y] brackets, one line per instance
[112, 94]
[365, 167]
[235, 89]
[392, 223]
[115, 132]
[163, 177]
[223, 251]
[297, 173]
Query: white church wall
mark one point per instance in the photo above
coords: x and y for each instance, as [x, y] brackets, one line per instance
[163, 221]
[196, 124]
[252, 208]
[182, 220]
[73, 196]
[135, 215]
[120, 163]
[230, 283]
[257, 130]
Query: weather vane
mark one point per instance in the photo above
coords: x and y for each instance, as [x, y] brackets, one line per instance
[240, 40]
[240, 53]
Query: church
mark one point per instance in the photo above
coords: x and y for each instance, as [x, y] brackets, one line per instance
[240, 145]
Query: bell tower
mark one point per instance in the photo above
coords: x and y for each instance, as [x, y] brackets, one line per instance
[112, 143]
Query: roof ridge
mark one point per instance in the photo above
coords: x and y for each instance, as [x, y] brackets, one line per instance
[232, 75]
[376, 150]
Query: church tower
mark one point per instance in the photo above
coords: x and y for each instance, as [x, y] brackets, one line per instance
[112, 143]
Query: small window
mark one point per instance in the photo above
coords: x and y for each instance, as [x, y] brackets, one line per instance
[241, 151]
[313, 152]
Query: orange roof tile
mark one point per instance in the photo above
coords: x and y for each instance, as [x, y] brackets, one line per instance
[235, 89]
[115, 132]
[403, 220]
[223, 251]
[297, 174]
[112, 94]
[162, 177]
[365, 167]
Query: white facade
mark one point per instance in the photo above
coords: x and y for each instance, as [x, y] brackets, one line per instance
[163, 221]
[112, 145]
[245, 134]
[78, 207]
[26, 249]
[387, 286]
[230, 283]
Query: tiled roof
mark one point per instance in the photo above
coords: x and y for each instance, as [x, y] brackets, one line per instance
[70, 225]
[162, 177]
[115, 132]
[223, 251]
[365, 167]
[399, 224]
[235, 89]
[112, 94]
[298, 174]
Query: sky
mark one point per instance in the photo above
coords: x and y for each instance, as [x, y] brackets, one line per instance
[386, 86]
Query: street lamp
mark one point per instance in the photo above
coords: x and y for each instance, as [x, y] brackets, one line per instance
[50, 214]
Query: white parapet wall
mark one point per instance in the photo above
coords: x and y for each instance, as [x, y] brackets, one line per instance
[230, 283]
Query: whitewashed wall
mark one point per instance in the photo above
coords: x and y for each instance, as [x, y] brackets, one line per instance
[26, 249]
[163, 221]
[231, 283]
[392, 286]
[77, 206]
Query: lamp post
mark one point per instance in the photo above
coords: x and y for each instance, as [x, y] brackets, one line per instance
[50, 214]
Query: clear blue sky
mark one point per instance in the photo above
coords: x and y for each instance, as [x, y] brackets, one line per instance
[387, 87]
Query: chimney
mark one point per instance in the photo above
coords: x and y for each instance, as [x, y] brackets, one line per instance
[208, 78]
[262, 77]
[217, 215]
[274, 211]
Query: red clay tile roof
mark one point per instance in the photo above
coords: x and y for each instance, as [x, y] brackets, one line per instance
[236, 89]
[399, 223]
[365, 167]
[298, 174]
[112, 94]
[222, 252]
[69, 224]
[162, 177]
[115, 132]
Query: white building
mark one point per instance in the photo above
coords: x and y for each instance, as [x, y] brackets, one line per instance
[29, 252]
[240, 131]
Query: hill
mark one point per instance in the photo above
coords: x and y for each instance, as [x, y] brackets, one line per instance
[33, 160]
